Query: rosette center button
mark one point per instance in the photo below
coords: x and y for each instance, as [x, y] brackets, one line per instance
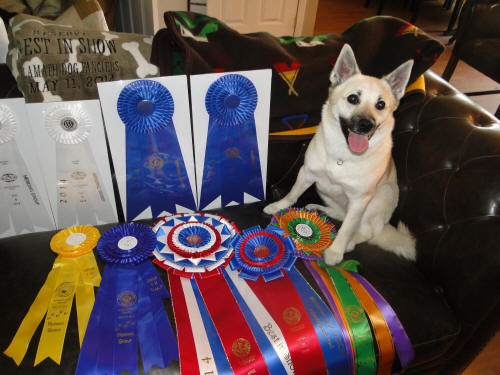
[145, 107]
[127, 243]
[232, 101]
[76, 239]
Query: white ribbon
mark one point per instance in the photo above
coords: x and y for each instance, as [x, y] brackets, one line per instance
[201, 343]
[21, 202]
[265, 320]
[81, 198]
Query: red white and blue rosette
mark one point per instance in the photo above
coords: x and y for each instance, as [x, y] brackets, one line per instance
[194, 244]
[263, 252]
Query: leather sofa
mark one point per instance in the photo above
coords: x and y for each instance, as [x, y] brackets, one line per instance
[447, 152]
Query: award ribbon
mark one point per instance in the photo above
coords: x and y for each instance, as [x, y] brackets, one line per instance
[74, 271]
[266, 252]
[156, 173]
[262, 252]
[81, 197]
[232, 163]
[401, 340]
[311, 232]
[194, 244]
[358, 323]
[129, 309]
[20, 199]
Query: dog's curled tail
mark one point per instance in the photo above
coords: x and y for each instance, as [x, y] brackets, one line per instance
[399, 241]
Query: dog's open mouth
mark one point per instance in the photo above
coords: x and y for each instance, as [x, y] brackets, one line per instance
[357, 142]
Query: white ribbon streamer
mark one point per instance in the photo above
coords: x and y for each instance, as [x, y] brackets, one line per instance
[201, 343]
[266, 322]
[21, 202]
[81, 198]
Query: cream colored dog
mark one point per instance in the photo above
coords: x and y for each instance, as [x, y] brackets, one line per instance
[349, 159]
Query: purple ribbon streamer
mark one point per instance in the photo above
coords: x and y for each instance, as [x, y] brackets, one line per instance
[399, 336]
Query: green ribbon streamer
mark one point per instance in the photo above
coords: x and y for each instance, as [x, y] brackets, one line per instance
[364, 349]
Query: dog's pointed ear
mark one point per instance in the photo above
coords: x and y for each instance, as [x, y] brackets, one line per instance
[398, 79]
[345, 66]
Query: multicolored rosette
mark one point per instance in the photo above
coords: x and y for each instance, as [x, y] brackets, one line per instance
[74, 273]
[80, 197]
[129, 309]
[262, 252]
[194, 244]
[311, 232]
[232, 163]
[156, 173]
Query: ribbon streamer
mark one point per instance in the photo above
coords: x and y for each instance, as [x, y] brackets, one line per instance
[20, 200]
[156, 173]
[197, 244]
[262, 252]
[74, 272]
[232, 163]
[401, 340]
[81, 197]
[129, 309]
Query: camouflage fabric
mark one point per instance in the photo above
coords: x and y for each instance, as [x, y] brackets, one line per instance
[52, 61]
[194, 44]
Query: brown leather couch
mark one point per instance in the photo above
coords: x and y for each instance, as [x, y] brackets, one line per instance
[447, 151]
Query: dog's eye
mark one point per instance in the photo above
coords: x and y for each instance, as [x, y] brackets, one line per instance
[380, 105]
[353, 99]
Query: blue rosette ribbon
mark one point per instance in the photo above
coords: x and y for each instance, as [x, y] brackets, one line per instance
[156, 173]
[128, 310]
[232, 163]
[262, 252]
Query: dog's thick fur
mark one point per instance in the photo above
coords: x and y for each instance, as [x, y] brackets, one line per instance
[349, 159]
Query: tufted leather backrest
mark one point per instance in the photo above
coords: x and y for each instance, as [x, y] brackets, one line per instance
[447, 153]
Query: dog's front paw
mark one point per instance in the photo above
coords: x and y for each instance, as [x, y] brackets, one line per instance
[314, 207]
[272, 208]
[333, 255]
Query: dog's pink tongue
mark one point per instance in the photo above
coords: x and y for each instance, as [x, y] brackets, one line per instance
[357, 142]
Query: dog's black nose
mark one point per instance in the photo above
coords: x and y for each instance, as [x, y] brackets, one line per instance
[363, 126]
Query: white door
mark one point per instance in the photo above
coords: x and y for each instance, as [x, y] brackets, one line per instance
[278, 17]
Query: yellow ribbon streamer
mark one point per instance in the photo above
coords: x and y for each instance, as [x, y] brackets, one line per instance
[74, 272]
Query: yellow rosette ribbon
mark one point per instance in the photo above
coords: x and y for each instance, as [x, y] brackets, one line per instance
[74, 273]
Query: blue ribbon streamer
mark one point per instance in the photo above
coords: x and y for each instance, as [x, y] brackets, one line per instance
[221, 362]
[270, 356]
[232, 163]
[128, 310]
[326, 327]
[156, 173]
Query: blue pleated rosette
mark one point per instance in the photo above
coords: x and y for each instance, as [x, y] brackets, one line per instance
[231, 100]
[232, 163]
[127, 244]
[145, 106]
[194, 244]
[262, 252]
[128, 313]
[156, 172]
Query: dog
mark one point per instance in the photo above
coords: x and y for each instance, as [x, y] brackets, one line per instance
[349, 159]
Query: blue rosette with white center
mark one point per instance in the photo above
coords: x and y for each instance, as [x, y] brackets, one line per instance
[156, 172]
[232, 163]
[194, 244]
[262, 252]
[128, 310]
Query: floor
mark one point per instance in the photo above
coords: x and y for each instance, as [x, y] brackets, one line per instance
[335, 16]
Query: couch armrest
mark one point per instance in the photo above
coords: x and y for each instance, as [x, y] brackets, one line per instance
[447, 152]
